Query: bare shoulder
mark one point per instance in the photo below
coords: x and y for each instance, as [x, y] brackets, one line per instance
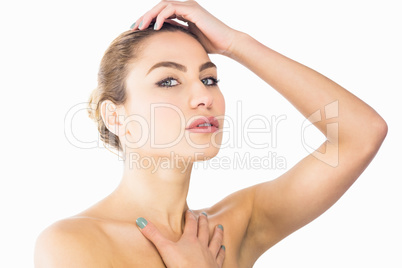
[72, 242]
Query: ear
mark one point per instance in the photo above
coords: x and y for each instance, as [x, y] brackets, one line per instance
[113, 117]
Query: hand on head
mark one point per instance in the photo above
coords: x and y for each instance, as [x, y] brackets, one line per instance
[214, 35]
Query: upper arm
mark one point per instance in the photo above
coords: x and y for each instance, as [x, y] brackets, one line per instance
[65, 244]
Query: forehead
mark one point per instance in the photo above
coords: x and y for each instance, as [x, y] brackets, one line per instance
[169, 46]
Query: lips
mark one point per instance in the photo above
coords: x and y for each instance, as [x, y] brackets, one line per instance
[204, 120]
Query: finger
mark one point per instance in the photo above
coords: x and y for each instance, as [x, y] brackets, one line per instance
[136, 24]
[152, 233]
[203, 229]
[221, 256]
[179, 10]
[148, 17]
[190, 228]
[216, 240]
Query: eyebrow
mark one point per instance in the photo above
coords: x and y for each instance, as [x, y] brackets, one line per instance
[180, 67]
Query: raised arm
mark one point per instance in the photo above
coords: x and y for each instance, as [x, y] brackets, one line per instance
[354, 133]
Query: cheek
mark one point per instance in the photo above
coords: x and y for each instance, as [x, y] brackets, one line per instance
[220, 104]
[167, 123]
[220, 112]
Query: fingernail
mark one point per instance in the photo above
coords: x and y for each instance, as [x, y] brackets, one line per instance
[204, 214]
[155, 26]
[223, 247]
[220, 227]
[141, 222]
[139, 27]
[132, 26]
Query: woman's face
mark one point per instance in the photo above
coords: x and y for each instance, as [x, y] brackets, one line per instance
[170, 84]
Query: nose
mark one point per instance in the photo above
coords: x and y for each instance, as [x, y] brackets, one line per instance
[201, 95]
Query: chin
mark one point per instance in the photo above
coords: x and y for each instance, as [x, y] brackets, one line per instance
[205, 154]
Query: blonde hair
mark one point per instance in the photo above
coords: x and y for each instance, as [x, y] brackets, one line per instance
[113, 72]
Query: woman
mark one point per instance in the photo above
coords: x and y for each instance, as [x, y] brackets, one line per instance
[154, 82]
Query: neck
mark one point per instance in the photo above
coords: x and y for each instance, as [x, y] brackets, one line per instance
[156, 192]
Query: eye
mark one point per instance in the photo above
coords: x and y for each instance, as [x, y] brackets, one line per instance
[210, 81]
[168, 82]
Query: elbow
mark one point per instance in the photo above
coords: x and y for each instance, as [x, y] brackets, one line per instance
[380, 127]
[368, 137]
[378, 131]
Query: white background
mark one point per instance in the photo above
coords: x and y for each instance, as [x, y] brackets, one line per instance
[49, 57]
